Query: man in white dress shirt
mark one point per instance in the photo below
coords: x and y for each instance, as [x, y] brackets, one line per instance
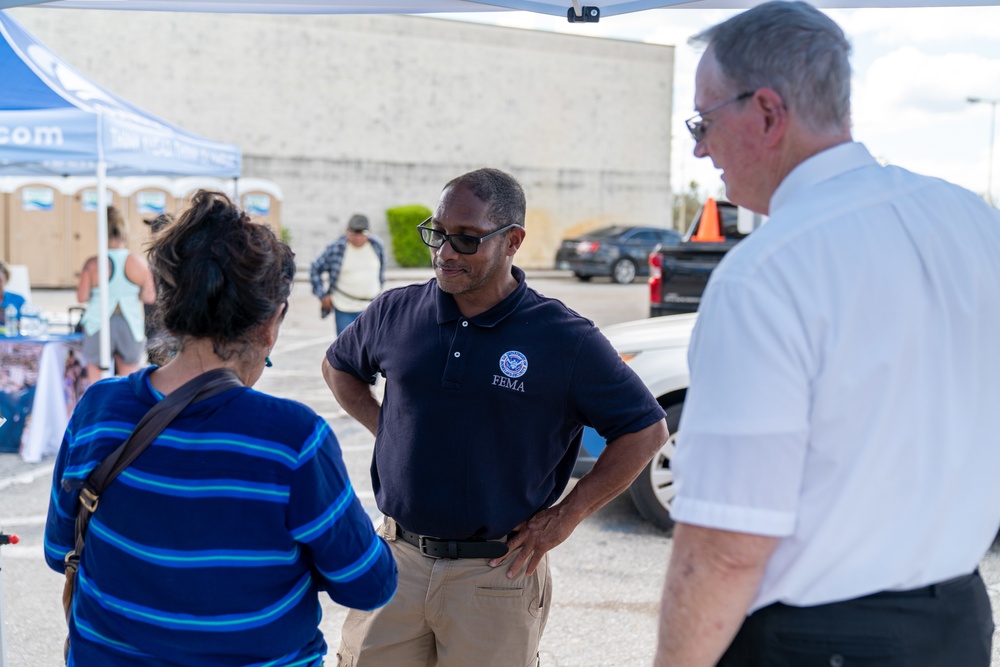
[838, 461]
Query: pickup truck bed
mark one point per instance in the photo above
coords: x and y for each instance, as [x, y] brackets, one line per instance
[678, 274]
[684, 270]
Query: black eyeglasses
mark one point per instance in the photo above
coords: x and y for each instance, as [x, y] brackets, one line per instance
[696, 123]
[463, 244]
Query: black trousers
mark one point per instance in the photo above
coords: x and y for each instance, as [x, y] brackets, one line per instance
[949, 624]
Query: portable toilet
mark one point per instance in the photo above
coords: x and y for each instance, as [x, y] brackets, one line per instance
[262, 200]
[148, 197]
[38, 229]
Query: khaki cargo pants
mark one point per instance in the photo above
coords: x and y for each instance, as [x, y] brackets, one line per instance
[450, 613]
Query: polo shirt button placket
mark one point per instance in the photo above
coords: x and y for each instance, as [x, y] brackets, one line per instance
[455, 366]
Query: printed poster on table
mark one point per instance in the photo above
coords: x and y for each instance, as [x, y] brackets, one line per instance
[19, 366]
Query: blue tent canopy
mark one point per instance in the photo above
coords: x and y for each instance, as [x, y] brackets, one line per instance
[55, 121]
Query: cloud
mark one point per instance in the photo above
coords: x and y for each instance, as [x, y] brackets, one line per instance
[908, 83]
[926, 25]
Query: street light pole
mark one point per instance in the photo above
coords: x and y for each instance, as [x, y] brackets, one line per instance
[993, 123]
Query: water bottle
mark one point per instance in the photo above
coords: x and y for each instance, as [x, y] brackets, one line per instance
[29, 320]
[10, 321]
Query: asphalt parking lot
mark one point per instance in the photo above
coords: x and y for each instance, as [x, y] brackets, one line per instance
[607, 575]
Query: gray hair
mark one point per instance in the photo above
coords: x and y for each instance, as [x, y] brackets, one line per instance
[502, 194]
[794, 49]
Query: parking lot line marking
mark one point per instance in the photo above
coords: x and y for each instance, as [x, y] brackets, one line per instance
[28, 476]
[34, 520]
[305, 344]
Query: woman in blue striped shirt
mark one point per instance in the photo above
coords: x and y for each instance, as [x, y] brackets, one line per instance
[213, 547]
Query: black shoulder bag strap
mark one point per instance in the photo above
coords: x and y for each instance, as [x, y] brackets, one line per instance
[149, 427]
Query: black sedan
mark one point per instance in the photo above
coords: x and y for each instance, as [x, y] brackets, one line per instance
[619, 252]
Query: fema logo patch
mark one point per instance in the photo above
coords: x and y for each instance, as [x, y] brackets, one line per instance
[513, 364]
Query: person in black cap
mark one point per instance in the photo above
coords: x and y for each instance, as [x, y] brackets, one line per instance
[355, 266]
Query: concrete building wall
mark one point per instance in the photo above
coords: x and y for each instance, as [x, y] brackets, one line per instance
[361, 113]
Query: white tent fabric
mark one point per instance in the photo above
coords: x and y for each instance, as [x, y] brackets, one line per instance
[55, 121]
[552, 7]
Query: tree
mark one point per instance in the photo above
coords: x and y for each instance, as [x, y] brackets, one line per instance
[686, 204]
[407, 247]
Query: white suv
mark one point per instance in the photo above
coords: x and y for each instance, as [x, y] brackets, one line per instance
[656, 349]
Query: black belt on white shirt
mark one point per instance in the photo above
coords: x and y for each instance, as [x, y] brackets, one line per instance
[433, 547]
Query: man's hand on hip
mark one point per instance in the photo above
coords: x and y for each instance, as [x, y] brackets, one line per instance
[536, 536]
[619, 463]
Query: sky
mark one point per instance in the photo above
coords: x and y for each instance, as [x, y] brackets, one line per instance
[913, 69]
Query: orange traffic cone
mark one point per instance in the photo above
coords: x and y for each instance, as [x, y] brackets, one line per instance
[708, 226]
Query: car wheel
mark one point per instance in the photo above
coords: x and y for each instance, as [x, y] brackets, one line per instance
[653, 490]
[623, 272]
[582, 278]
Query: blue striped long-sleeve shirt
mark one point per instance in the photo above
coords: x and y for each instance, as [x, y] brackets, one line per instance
[212, 548]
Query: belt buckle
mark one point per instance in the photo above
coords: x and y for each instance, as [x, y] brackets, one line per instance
[422, 545]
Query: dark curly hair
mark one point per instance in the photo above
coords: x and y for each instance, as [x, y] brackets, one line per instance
[218, 275]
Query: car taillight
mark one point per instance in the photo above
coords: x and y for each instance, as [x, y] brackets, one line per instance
[586, 247]
[655, 278]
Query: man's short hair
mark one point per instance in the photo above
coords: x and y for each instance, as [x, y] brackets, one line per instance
[502, 194]
[794, 49]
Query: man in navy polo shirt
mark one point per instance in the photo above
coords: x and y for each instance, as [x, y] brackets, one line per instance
[488, 387]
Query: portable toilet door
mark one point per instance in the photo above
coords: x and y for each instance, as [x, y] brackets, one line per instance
[83, 227]
[145, 204]
[263, 208]
[261, 199]
[37, 233]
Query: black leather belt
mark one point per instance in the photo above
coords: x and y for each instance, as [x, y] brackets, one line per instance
[433, 547]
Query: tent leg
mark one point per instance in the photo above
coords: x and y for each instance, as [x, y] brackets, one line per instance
[104, 335]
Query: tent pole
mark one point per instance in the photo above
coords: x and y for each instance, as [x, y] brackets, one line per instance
[104, 335]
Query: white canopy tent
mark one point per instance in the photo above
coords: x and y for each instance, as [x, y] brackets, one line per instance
[552, 7]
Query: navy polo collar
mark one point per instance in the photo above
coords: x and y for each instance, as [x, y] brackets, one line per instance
[447, 309]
